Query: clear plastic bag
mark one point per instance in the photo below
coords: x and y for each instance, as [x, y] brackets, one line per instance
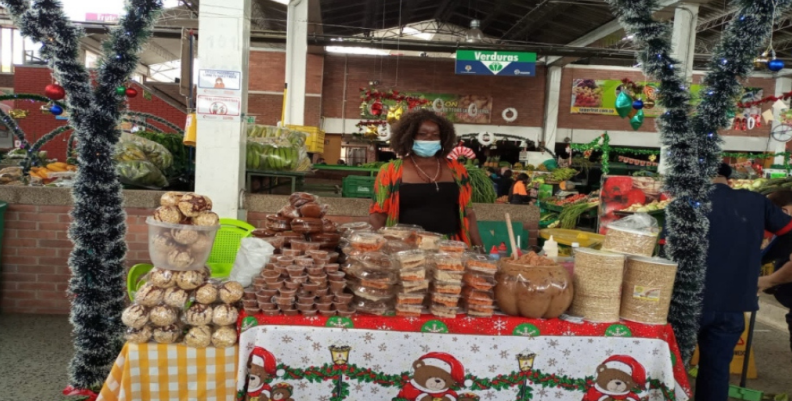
[633, 235]
[155, 153]
[253, 254]
[141, 173]
[533, 291]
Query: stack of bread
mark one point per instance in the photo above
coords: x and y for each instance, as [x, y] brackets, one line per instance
[479, 280]
[175, 306]
[182, 231]
[448, 270]
[303, 277]
[413, 282]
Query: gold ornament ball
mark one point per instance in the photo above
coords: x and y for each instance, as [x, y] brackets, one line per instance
[760, 63]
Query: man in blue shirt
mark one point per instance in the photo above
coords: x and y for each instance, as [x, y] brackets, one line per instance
[738, 221]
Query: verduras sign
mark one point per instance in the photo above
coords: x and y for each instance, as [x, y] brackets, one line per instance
[481, 62]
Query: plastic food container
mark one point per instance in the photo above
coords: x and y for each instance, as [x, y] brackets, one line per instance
[410, 260]
[480, 264]
[414, 286]
[413, 275]
[447, 287]
[451, 246]
[448, 261]
[372, 294]
[483, 282]
[278, 223]
[440, 310]
[404, 232]
[348, 229]
[411, 299]
[306, 225]
[533, 291]
[444, 275]
[428, 241]
[276, 242]
[367, 242]
[289, 236]
[476, 297]
[480, 310]
[167, 254]
[326, 240]
[304, 246]
[374, 278]
[409, 310]
[371, 306]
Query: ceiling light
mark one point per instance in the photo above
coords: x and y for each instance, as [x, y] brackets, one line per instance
[356, 50]
[409, 31]
[474, 34]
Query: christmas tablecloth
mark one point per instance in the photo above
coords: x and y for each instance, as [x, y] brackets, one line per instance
[163, 372]
[461, 359]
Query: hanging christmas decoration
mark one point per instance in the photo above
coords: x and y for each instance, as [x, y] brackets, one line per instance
[384, 133]
[760, 63]
[18, 114]
[462, 151]
[56, 110]
[395, 113]
[485, 138]
[509, 115]
[121, 90]
[775, 65]
[54, 92]
[637, 120]
[638, 104]
[372, 131]
[131, 92]
[623, 104]
[376, 108]
[652, 158]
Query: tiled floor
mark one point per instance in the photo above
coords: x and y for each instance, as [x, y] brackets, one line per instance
[35, 351]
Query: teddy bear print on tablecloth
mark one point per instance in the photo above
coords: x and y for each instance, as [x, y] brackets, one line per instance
[261, 370]
[619, 377]
[434, 376]
[282, 392]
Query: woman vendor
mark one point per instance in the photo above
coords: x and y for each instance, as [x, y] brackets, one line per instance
[422, 186]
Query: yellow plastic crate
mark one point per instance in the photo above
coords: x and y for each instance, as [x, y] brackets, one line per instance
[314, 142]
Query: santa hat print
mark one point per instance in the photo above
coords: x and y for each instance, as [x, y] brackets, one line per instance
[629, 365]
[446, 362]
[263, 358]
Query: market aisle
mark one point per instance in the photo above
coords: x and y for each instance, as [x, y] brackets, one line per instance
[34, 354]
[773, 361]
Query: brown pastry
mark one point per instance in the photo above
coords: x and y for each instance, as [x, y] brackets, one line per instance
[231, 292]
[162, 243]
[263, 233]
[278, 223]
[198, 315]
[167, 335]
[206, 219]
[306, 225]
[206, 294]
[135, 316]
[202, 245]
[329, 226]
[138, 336]
[163, 315]
[224, 315]
[175, 297]
[171, 199]
[198, 337]
[192, 205]
[224, 337]
[190, 279]
[149, 295]
[298, 199]
[162, 278]
[289, 212]
[311, 209]
[169, 214]
[178, 259]
[184, 237]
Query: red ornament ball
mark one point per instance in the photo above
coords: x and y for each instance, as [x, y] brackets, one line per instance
[376, 108]
[131, 92]
[54, 92]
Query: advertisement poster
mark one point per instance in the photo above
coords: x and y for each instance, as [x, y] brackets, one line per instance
[621, 192]
[218, 107]
[489, 63]
[461, 109]
[218, 79]
[598, 96]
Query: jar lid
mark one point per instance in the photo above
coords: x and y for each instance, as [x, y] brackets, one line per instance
[595, 252]
[653, 260]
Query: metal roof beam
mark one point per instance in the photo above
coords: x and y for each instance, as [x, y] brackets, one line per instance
[524, 18]
[716, 20]
[494, 13]
[608, 29]
[547, 16]
[444, 10]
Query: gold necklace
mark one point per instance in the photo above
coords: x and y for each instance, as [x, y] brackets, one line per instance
[434, 180]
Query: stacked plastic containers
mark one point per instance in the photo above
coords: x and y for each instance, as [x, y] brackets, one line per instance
[448, 270]
[479, 280]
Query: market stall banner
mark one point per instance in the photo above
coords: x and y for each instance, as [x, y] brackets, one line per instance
[427, 358]
[483, 62]
[637, 162]
[620, 192]
[463, 109]
[598, 96]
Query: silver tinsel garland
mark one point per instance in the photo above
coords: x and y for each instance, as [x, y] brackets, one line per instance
[99, 227]
[693, 150]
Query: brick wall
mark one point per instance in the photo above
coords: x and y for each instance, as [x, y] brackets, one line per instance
[268, 74]
[434, 76]
[34, 272]
[32, 80]
[613, 123]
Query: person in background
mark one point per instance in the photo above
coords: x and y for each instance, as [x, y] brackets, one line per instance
[506, 183]
[780, 253]
[738, 221]
[518, 195]
[321, 160]
[495, 178]
[424, 187]
[341, 162]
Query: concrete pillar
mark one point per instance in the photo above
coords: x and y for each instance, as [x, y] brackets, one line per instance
[683, 45]
[296, 61]
[220, 158]
[552, 98]
[782, 86]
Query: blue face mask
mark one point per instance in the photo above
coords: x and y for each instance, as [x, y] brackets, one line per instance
[426, 148]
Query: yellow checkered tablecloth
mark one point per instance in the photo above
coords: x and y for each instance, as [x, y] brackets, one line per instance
[164, 372]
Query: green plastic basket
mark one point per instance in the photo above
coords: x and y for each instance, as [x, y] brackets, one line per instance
[226, 245]
[135, 278]
[355, 186]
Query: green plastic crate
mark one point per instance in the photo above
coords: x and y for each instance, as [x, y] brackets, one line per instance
[358, 187]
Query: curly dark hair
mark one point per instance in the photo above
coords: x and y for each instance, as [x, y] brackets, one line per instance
[404, 132]
[781, 198]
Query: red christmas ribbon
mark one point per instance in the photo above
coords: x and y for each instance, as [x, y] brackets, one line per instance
[72, 391]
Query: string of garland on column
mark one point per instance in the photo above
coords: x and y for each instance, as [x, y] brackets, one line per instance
[97, 259]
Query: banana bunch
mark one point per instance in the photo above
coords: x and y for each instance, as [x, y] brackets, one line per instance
[128, 151]
[273, 158]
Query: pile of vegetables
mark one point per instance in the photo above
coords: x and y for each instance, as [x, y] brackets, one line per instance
[561, 174]
[570, 214]
[570, 200]
[649, 207]
[141, 162]
[275, 148]
[174, 144]
[483, 190]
